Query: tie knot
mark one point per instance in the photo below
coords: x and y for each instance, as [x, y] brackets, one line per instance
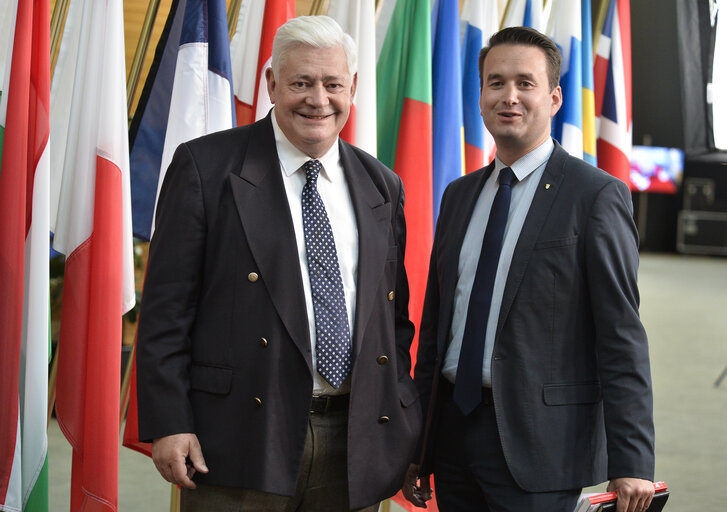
[312, 168]
[506, 177]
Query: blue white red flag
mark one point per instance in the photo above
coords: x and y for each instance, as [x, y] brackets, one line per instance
[480, 19]
[188, 94]
[612, 87]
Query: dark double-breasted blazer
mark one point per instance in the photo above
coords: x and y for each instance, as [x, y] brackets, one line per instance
[570, 367]
[224, 349]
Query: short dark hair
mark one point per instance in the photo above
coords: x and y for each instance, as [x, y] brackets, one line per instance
[527, 37]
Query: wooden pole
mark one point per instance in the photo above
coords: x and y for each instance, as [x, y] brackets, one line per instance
[52, 385]
[233, 12]
[126, 386]
[56, 25]
[598, 20]
[141, 48]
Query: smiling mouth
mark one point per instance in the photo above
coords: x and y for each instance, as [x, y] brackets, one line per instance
[318, 118]
[509, 114]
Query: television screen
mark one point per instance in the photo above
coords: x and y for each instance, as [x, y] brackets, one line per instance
[656, 169]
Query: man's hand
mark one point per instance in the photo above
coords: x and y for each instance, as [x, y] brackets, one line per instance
[634, 494]
[178, 458]
[418, 495]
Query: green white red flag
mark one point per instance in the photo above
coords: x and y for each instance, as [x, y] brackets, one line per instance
[24, 241]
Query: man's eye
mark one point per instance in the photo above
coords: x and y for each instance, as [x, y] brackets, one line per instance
[299, 85]
[526, 84]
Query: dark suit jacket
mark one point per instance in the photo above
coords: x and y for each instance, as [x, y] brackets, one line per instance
[223, 347]
[570, 366]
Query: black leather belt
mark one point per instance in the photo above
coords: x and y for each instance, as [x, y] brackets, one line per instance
[329, 403]
[448, 390]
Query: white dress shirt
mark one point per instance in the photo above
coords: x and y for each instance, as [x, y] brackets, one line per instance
[528, 170]
[334, 193]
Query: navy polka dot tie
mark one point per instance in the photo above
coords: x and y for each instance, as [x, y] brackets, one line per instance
[333, 339]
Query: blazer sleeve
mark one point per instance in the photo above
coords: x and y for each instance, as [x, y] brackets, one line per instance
[171, 290]
[611, 258]
[404, 329]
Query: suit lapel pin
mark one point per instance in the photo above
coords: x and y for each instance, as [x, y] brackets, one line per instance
[547, 186]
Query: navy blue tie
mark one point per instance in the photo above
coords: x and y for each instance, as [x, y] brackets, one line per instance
[333, 338]
[468, 384]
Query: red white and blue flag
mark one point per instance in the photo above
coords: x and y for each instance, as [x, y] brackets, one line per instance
[188, 93]
[612, 86]
[480, 19]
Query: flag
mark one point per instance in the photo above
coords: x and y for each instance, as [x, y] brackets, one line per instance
[589, 105]
[404, 119]
[357, 18]
[24, 248]
[447, 124]
[612, 87]
[565, 30]
[92, 227]
[526, 13]
[188, 93]
[250, 49]
[480, 19]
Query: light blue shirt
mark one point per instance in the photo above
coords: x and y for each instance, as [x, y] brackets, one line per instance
[528, 170]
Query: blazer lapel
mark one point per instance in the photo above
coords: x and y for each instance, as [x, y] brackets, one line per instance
[373, 218]
[534, 222]
[262, 205]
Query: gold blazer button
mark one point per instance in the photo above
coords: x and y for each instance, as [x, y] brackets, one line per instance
[258, 401]
[382, 359]
[391, 295]
[383, 419]
[252, 277]
[263, 342]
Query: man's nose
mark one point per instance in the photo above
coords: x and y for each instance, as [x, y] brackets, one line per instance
[317, 96]
[510, 94]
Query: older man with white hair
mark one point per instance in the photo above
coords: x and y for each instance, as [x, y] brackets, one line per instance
[274, 336]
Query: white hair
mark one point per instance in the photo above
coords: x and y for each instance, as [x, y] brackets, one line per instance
[316, 32]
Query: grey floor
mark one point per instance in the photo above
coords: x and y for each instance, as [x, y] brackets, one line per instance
[684, 309]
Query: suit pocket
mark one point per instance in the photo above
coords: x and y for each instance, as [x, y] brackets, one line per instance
[212, 379]
[558, 242]
[393, 254]
[408, 393]
[382, 212]
[569, 394]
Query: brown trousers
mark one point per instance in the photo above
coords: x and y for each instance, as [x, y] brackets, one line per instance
[322, 483]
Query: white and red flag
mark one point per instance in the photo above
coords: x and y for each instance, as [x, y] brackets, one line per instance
[250, 51]
[91, 219]
[358, 19]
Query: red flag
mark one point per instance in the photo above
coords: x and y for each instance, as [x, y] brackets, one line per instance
[93, 228]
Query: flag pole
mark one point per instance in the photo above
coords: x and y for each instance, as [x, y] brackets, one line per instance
[125, 386]
[56, 24]
[52, 385]
[141, 48]
[600, 18]
[232, 14]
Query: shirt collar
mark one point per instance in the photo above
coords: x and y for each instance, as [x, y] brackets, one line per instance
[292, 158]
[528, 163]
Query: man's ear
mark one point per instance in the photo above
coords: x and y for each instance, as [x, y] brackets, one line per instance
[354, 83]
[270, 78]
[557, 100]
